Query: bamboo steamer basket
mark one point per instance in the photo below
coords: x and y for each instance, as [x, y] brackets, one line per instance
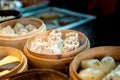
[82, 39]
[19, 41]
[22, 68]
[55, 62]
[5, 51]
[97, 52]
[39, 74]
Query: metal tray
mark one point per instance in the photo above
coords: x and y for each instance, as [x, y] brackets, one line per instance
[33, 7]
[82, 18]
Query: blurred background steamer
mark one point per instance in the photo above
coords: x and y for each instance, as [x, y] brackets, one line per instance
[6, 15]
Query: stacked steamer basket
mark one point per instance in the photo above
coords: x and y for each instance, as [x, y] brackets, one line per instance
[55, 61]
[18, 41]
[12, 61]
[76, 67]
[39, 74]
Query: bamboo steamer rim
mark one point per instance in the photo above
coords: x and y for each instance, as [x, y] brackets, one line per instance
[63, 55]
[37, 71]
[25, 65]
[45, 59]
[73, 67]
[21, 60]
[19, 37]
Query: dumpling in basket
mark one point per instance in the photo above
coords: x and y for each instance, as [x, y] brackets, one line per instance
[18, 26]
[55, 33]
[91, 74]
[30, 27]
[72, 36]
[109, 63]
[70, 45]
[55, 49]
[7, 31]
[113, 75]
[91, 63]
[36, 45]
[22, 31]
[55, 40]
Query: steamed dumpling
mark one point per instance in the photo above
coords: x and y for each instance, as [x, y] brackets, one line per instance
[117, 68]
[30, 27]
[91, 74]
[18, 26]
[56, 49]
[71, 42]
[109, 63]
[70, 45]
[55, 33]
[37, 45]
[7, 31]
[22, 31]
[91, 63]
[47, 51]
[55, 40]
[114, 74]
[72, 36]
